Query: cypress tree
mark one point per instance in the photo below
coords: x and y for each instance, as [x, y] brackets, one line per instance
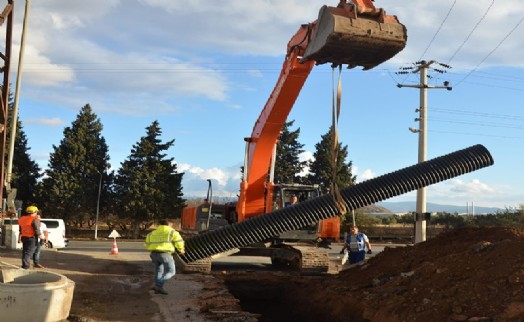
[147, 185]
[320, 170]
[70, 188]
[288, 165]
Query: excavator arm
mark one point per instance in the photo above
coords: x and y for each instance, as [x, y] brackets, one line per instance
[259, 146]
[354, 33]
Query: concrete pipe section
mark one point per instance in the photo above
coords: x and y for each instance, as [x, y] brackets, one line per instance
[28, 295]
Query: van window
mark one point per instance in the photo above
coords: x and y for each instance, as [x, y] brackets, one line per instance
[50, 224]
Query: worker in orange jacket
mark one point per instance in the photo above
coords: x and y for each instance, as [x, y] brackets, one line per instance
[29, 234]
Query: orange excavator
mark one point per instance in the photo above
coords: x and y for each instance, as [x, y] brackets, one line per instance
[354, 33]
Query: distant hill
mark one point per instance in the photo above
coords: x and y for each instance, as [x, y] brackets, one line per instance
[410, 206]
[375, 209]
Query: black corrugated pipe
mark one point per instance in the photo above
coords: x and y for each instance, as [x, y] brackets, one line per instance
[261, 228]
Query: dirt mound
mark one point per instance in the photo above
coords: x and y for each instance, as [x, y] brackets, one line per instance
[473, 274]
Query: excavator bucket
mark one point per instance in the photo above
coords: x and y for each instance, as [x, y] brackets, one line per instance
[349, 34]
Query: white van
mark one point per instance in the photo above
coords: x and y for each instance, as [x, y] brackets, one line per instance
[55, 227]
[56, 233]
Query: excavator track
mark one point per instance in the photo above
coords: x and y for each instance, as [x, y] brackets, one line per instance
[258, 229]
[308, 260]
[199, 266]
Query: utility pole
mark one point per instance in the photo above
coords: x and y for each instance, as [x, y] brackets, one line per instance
[6, 16]
[422, 67]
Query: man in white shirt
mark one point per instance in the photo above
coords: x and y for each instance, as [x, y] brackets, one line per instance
[39, 244]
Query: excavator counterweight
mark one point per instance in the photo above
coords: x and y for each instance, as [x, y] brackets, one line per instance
[355, 35]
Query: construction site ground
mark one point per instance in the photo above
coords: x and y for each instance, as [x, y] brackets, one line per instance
[473, 274]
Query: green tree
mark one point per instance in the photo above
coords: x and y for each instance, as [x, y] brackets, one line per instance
[320, 169]
[288, 165]
[147, 185]
[70, 188]
[26, 171]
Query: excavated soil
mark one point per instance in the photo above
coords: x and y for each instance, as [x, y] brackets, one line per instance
[473, 274]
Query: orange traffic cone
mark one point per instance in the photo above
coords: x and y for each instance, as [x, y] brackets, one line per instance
[114, 248]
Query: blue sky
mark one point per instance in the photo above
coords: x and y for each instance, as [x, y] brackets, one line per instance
[205, 69]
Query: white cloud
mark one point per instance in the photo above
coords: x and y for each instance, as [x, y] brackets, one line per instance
[366, 175]
[55, 121]
[458, 192]
[255, 73]
[423, 19]
[225, 182]
[38, 70]
[363, 175]
[475, 186]
[306, 156]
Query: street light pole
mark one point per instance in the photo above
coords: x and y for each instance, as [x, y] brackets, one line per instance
[98, 206]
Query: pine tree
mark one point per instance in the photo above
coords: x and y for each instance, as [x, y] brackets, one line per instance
[320, 170]
[288, 165]
[70, 188]
[148, 186]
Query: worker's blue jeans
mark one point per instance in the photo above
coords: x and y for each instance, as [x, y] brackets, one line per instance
[357, 257]
[36, 255]
[164, 267]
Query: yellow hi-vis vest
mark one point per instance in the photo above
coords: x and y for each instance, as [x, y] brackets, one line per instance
[164, 239]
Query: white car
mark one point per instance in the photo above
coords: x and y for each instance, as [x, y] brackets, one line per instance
[55, 228]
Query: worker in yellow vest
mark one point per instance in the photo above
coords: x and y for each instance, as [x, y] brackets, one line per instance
[29, 234]
[162, 243]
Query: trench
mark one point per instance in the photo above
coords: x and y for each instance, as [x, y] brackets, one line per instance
[284, 298]
[262, 297]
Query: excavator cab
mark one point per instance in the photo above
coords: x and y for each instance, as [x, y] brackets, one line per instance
[355, 33]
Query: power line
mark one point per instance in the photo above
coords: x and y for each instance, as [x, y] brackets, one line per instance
[512, 77]
[471, 32]
[497, 80]
[478, 114]
[492, 51]
[477, 134]
[498, 77]
[487, 124]
[498, 86]
[438, 30]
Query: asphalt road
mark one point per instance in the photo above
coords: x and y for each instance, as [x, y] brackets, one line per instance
[220, 263]
[104, 245]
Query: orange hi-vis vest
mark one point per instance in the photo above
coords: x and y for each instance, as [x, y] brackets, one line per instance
[27, 228]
